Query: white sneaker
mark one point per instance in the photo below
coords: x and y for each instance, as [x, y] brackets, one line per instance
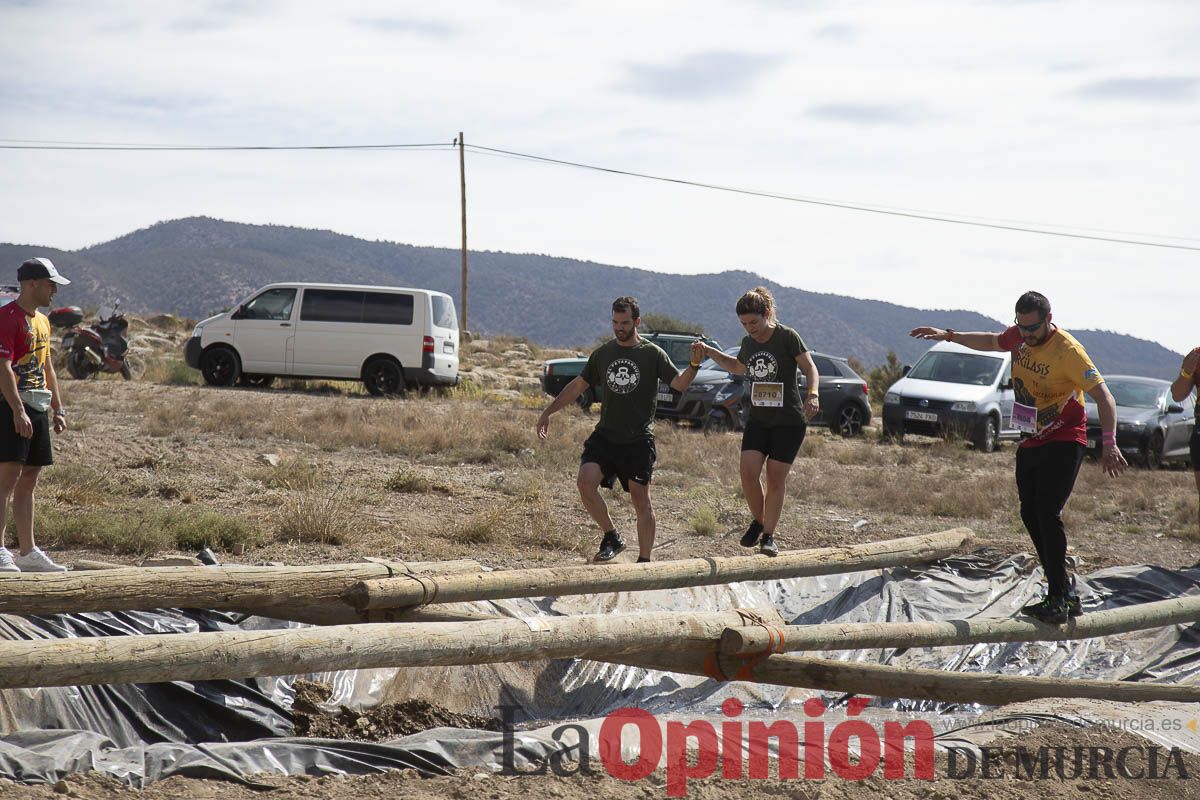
[37, 561]
[6, 561]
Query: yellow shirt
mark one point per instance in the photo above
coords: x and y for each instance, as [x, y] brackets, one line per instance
[1052, 377]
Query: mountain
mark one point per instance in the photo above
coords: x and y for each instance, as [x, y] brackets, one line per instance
[199, 265]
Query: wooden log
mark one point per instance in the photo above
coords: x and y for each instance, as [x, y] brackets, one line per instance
[880, 680]
[244, 654]
[946, 633]
[227, 587]
[405, 592]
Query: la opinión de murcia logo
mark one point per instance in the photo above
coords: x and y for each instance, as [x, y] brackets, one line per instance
[742, 749]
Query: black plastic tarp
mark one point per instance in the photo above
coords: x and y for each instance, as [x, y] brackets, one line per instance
[235, 729]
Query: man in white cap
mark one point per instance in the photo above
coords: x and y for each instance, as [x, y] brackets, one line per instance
[30, 388]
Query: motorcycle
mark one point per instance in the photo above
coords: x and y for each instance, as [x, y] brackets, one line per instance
[89, 350]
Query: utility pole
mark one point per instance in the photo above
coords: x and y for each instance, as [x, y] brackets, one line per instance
[462, 177]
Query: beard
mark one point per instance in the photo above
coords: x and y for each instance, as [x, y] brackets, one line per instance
[624, 336]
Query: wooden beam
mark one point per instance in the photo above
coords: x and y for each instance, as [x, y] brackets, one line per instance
[879, 680]
[227, 587]
[244, 654]
[404, 592]
[947, 633]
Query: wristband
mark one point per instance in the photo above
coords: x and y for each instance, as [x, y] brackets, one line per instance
[693, 365]
[814, 396]
[1183, 373]
[949, 334]
[1109, 438]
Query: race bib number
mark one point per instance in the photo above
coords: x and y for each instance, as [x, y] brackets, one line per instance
[1024, 418]
[766, 395]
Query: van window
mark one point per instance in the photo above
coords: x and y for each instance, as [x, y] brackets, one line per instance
[339, 305]
[388, 308]
[271, 304]
[956, 368]
[443, 312]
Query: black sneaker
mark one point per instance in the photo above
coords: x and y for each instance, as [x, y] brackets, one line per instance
[750, 537]
[767, 546]
[1074, 605]
[610, 545]
[1051, 610]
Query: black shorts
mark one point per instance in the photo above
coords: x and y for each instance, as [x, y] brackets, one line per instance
[36, 451]
[626, 462]
[1195, 445]
[778, 444]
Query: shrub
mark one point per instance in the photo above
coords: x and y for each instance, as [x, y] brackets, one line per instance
[704, 521]
[410, 481]
[325, 517]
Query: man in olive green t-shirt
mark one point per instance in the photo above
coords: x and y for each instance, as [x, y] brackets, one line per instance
[622, 445]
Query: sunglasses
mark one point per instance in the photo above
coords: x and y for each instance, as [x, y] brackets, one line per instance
[1030, 328]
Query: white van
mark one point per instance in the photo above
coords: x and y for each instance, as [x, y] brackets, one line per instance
[954, 390]
[389, 338]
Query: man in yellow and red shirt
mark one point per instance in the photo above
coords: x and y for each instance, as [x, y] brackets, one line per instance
[30, 391]
[1185, 383]
[1050, 372]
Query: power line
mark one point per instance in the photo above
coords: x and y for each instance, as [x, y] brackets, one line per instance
[908, 214]
[1118, 237]
[32, 144]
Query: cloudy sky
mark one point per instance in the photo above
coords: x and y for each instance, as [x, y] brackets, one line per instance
[1068, 115]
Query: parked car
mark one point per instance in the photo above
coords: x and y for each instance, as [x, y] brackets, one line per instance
[713, 401]
[388, 337]
[717, 399]
[953, 390]
[1152, 429]
[558, 372]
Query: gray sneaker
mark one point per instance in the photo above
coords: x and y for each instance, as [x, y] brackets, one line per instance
[6, 561]
[37, 561]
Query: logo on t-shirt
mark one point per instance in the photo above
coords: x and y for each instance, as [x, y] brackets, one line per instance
[762, 366]
[623, 376]
[1090, 375]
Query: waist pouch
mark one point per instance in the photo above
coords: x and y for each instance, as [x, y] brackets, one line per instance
[37, 399]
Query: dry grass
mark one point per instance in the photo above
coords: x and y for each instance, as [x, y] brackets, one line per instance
[411, 481]
[528, 520]
[144, 530]
[329, 516]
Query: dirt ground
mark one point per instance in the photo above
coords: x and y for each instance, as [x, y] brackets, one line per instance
[322, 473]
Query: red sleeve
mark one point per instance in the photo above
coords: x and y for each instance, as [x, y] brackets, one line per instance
[9, 336]
[1011, 339]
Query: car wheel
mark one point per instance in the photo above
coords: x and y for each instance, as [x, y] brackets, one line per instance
[586, 399]
[383, 376]
[1152, 456]
[850, 420]
[257, 381]
[985, 437]
[220, 366]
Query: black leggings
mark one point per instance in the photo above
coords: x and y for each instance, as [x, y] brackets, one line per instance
[1045, 477]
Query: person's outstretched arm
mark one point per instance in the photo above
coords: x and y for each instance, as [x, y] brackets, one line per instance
[973, 340]
[1184, 381]
[727, 362]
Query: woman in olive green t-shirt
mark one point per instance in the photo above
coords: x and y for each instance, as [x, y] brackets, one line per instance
[771, 357]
